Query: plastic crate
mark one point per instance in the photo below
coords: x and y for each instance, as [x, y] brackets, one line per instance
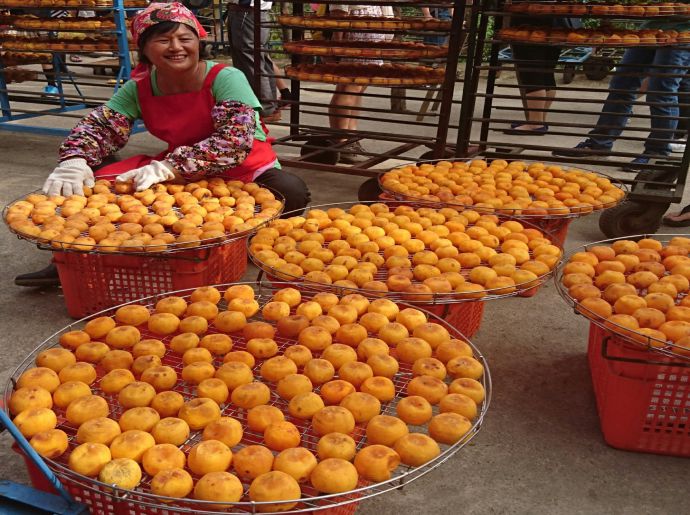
[466, 317]
[643, 399]
[100, 502]
[94, 282]
[556, 227]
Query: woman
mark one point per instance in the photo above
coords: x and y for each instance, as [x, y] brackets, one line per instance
[535, 67]
[346, 101]
[205, 112]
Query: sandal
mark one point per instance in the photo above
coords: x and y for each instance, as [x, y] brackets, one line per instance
[678, 223]
[75, 59]
[515, 130]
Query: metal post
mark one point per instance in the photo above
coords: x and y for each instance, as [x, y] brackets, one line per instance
[122, 45]
[448, 86]
[57, 73]
[475, 49]
[4, 99]
[297, 34]
[258, 47]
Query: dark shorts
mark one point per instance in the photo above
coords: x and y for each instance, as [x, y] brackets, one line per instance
[536, 65]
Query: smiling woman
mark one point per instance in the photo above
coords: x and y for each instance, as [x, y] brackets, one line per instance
[205, 112]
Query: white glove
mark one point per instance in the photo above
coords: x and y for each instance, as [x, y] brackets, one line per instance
[147, 176]
[69, 178]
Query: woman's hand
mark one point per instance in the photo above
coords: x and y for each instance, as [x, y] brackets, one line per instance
[147, 176]
[69, 178]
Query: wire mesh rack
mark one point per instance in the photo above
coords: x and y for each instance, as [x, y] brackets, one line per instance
[140, 500]
[525, 289]
[638, 340]
[175, 249]
[543, 213]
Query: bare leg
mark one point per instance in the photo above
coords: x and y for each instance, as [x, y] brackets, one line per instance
[343, 112]
[345, 105]
[280, 82]
[536, 104]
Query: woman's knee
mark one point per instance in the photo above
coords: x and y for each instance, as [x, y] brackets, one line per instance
[293, 188]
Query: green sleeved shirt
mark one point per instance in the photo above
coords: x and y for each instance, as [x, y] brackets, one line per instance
[229, 84]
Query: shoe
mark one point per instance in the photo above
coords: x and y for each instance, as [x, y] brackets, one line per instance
[639, 163]
[275, 116]
[515, 131]
[311, 148]
[678, 223]
[583, 149]
[352, 154]
[51, 90]
[43, 278]
[285, 97]
[677, 148]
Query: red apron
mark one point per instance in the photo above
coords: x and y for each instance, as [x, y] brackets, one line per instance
[184, 119]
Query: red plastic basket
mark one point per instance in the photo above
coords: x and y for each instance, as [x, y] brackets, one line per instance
[93, 282]
[102, 503]
[643, 400]
[556, 227]
[466, 317]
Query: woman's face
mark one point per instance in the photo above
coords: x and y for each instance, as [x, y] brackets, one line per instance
[177, 50]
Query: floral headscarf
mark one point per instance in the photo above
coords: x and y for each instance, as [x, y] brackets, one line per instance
[158, 12]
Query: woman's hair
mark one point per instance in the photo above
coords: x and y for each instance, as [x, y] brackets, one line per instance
[156, 30]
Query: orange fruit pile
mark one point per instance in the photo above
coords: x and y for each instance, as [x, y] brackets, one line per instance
[638, 288]
[112, 218]
[203, 396]
[515, 188]
[414, 252]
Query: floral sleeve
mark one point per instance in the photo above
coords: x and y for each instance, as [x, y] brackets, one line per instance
[98, 135]
[228, 146]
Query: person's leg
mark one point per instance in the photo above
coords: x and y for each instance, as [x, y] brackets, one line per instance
[680, 137]
[268, 81]
[240, 50]
[241, 28]
[662, 96]
[343, 105]
[343, 111]
[293, 189]
[623, 90]
[281, 84]
[535, 67]
[624, 86]
[684, 107]
[353, 121]
[536, 103]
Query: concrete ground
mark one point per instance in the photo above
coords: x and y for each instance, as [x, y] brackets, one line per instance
[540, 450]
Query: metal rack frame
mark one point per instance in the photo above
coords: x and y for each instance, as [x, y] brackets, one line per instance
[63, 104]
[433, 135]
[653, 188]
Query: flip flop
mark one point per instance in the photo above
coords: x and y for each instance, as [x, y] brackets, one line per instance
[532, 132]
[678, 223]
